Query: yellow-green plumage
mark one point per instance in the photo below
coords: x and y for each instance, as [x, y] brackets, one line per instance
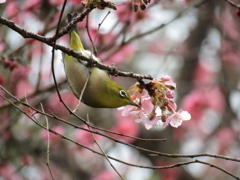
[101, 91]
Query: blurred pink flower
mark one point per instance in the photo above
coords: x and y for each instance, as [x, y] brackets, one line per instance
[106, 175]
[53, 138]
[12, 9]
[194, 103]
[32, 4]
[177, 118]
[125, 125]
[27, 160]
[226, 137]
[85, 137]
[168, 174]
[20, 72]
[121, 56]
[200, 99]
[229, 53]
[56, 2]
[204, 75]
[57, 107]
[2, 45]
[23, 87]
[157, 47]
[9, 172]
[229, 25]
[76, 2]
[2, 79]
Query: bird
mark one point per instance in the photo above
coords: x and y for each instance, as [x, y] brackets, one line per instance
[100, 90]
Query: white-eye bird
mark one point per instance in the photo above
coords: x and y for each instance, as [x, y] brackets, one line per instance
[101, 91]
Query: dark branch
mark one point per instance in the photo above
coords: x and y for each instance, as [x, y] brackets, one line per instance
[49, 41]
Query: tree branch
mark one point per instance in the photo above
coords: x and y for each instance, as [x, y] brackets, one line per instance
[49, 41]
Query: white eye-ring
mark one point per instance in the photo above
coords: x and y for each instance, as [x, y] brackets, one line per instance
[122, 93]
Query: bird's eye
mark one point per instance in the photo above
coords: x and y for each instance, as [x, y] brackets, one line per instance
[122, 93]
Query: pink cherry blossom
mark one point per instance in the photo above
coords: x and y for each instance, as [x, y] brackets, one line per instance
[168, 81]
[172, 104]
[169, 94]
[144, 114]
[177, 118]
[160, 96]
[151, 123]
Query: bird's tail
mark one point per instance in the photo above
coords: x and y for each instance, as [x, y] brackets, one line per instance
[75, 41]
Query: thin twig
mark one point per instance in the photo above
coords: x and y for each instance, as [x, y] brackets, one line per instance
[43, 90]
[71, 24]
[153, 153]
[40, 68]
[53, 54]
[94, 50]
[48, 143]
[73, 125]
[81, 95]
[123, 162]
[99, 25]
[104, 152]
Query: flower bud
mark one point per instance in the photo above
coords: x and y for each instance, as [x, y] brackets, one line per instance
[238, 12]
[135, 7]
[143, 7]
[165, 102]
[163, 118]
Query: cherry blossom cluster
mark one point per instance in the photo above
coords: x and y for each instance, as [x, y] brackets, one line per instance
[156, 104]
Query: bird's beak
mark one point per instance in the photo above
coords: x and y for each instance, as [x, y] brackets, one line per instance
[134, 104]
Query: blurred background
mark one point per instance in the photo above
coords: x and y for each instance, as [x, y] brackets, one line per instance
[195, 42]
